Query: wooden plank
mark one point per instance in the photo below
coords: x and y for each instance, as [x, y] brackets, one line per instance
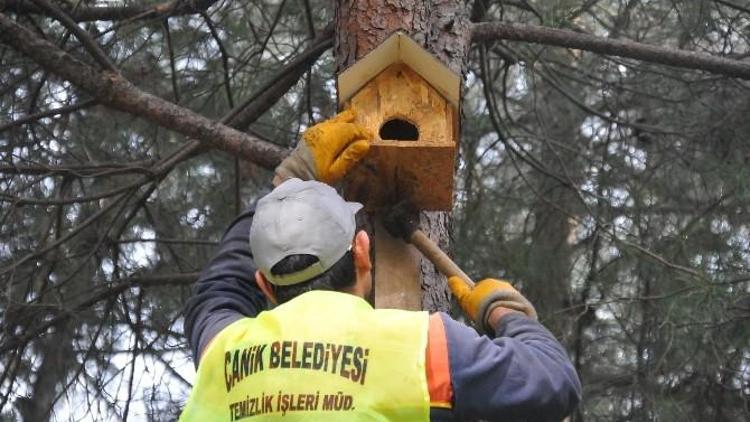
[397, 277]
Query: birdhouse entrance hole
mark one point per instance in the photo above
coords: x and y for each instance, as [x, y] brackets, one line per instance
[399, 130]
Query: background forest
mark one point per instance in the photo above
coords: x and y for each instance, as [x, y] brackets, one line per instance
[614, 191]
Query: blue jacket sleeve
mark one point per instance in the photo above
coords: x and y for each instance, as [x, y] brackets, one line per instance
[226, 289]
[522, 374]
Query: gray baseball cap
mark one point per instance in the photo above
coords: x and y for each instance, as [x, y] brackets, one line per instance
[301, 217]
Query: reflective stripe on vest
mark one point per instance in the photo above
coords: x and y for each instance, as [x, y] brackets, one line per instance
[321, 356]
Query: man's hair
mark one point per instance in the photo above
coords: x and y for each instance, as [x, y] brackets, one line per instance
[339, 277]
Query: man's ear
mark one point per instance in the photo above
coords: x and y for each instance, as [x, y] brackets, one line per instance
[265, 287]
[361, 251]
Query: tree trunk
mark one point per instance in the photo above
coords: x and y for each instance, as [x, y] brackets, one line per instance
[57, 357]
[550, 257]
[441, 27]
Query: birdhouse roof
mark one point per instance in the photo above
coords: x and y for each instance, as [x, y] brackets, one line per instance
[400, 48]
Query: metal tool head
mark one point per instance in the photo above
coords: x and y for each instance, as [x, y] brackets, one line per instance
[401, 220]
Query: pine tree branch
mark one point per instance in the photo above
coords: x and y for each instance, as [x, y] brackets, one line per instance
[246, 113]
[733, 5]
[47, 113]
[115, 91]
[91, 46]
[84, 170]
[488, 31]
[83, 13]
[102, 292]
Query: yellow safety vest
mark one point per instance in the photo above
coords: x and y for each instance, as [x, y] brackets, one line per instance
[321, 356]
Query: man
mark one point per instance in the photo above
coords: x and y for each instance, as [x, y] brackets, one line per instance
[323, 353]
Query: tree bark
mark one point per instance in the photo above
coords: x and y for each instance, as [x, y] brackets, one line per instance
[443, 28]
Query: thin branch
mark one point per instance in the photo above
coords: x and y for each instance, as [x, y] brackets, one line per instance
[135, 351]
[92, 170]
[115, 91]
[733, 6]
[104, 292]
[585, 7]
[656, 257]
[42, 114]
[271, 29]
[101, 212]
[309, 18]
[479, 10]
[224, 56]
[489, 31]
[240, 117]
[18, 201]
[89, 352]
[520, 152]
[230, 99]
[88, 43]
[554, 83]
[9, 373]
[525, 5]
[267, 95]
[169, 241]
[172, 66]
[83, 13]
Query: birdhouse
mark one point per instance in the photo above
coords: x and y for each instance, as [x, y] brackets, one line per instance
[409, 100]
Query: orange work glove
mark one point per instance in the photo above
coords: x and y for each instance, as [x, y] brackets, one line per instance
[327, 151]
[487, 295]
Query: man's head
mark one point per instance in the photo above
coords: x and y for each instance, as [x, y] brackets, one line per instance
[304, 237]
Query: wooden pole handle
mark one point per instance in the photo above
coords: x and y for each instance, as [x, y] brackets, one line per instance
[442, 261]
